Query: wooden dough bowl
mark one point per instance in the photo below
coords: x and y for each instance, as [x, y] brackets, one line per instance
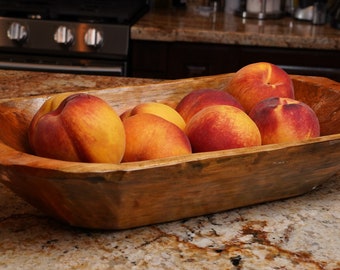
[108, 196]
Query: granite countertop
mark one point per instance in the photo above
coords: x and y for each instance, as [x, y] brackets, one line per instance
[222, 28]
[27, 83]
[296, 233]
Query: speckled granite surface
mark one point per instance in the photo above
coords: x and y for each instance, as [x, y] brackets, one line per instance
[297, 233]
[22, 83]
[222, 28]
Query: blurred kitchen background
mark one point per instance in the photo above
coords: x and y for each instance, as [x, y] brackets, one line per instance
[317, 12]
[169, 39]
[214, 36]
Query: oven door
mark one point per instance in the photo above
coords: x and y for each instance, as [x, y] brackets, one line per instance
[64, 65]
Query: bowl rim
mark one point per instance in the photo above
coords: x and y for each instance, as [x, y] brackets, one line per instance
[12, 157]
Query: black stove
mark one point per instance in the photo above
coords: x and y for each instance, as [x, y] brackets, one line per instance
[70, 36]
[120, 12]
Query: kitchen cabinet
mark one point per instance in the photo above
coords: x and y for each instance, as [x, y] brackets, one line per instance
[174, 60]
[149, 59]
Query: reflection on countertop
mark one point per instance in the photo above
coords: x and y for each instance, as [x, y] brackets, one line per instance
[222, 28]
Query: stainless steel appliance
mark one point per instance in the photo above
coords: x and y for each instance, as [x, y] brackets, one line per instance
[334, 12]
[88, 36]
[319, 12]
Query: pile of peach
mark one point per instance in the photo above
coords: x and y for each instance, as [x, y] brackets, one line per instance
[257, 107]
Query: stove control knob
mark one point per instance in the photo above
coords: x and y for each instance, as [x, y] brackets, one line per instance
[63, 35]
[93, 38]
[17, 32]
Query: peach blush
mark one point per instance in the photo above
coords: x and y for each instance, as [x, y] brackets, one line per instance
[285, 120]
[259, 81]
[197, 100]
[221, 127]
[83, 128]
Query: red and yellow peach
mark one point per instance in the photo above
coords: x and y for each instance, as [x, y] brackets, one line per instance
[285, 120]
[258, 81]
[149, 136]
[197, 100]
[221, 127]
[82, 128]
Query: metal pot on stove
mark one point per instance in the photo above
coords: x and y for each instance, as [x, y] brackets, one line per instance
[318, 12]
[261, 9]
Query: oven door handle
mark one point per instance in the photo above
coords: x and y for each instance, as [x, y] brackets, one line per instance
[117, 70]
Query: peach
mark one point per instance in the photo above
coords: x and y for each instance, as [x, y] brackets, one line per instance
[83, 128]
[196, 100]
[221, 127]
[49, 105]
[149, 136]
[285, 120]
[259, 81]
[161, 110]
[125, 114]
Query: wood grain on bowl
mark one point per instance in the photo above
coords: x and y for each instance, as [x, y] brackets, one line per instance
[132, 194]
